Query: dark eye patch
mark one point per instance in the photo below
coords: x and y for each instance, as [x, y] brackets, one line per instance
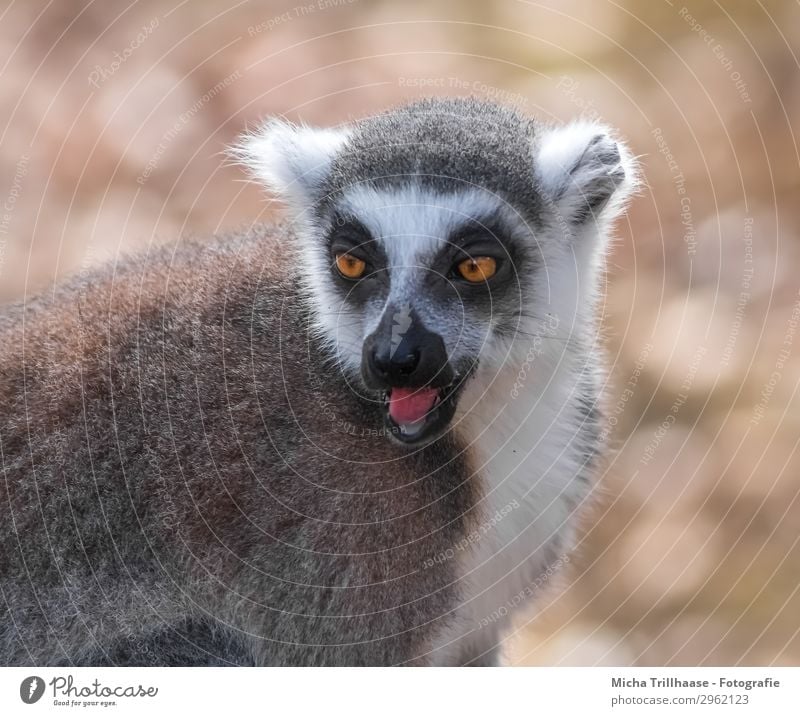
[348, 235]
[474, 239]
[499, 299]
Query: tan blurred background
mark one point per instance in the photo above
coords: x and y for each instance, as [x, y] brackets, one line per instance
[113, 117]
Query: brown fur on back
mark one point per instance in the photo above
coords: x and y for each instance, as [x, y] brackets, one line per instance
[188, 478]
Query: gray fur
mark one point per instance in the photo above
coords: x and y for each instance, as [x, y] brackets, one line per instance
[173, 450]
[416, 143]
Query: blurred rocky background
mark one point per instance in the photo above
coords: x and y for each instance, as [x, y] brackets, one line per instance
[112, 123]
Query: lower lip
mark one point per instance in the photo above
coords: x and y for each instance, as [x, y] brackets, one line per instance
[410, 430]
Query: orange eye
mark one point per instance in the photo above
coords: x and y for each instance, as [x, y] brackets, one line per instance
[481, 268]
[350, 266]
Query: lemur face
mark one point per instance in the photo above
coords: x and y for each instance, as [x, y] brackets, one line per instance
[418, 282]
[435, 236]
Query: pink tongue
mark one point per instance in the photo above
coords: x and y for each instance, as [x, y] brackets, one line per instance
[409, 405]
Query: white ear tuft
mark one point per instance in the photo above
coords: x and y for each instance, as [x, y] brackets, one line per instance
[584, 171]
[291, 160]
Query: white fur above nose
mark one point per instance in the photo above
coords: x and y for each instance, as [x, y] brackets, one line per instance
[413, 223]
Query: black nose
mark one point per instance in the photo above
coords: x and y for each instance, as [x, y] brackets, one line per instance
[404, 354]
[391, 366]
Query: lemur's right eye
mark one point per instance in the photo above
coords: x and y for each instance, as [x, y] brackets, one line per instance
[350, 266]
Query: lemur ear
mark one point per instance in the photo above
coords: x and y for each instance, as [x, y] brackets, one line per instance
[289, 159]
[584, 171]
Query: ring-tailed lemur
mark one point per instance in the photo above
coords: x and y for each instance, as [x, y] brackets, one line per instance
[355, 437]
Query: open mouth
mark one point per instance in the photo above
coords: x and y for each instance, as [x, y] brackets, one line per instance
[416, 415]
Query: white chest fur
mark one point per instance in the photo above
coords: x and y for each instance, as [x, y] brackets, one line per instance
[523, 429]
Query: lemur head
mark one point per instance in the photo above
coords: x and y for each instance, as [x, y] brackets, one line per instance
[439, 237]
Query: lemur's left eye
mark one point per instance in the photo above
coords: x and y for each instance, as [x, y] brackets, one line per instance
[475, 270]
[350, 266]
